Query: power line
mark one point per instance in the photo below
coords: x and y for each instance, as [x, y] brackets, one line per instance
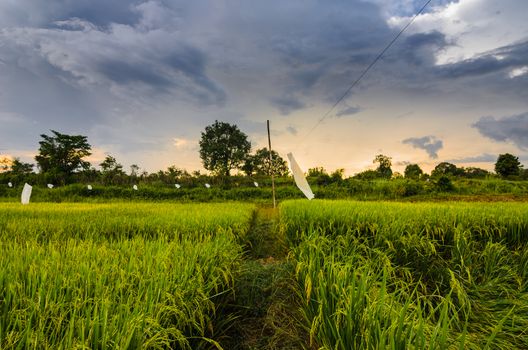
[380, 55]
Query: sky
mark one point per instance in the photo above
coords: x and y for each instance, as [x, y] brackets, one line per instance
[143, 78]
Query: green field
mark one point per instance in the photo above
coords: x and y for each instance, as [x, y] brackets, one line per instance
[399, 276]
[121, 276]
[315, 275]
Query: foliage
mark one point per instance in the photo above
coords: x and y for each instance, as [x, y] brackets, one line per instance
[223, 147]
[20, 168]
[384, 165]
[446, 169]
[367, 175]
[60, 155]
[5, 164]
[111, 171]
[259, 164]
[125, 276]
[444, 184]
[507, 165]
[422, 276]
[476, 173]
[413, 171]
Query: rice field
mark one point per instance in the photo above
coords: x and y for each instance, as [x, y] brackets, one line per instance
[411, 276]
[116, 276]
[368, 275]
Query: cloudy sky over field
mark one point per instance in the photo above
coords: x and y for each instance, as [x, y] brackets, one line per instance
[143, 78]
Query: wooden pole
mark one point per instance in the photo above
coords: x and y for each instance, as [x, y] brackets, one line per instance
[271, 167]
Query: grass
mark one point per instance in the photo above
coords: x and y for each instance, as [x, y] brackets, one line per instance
[318, 275]
[124, 276]
[398, 276]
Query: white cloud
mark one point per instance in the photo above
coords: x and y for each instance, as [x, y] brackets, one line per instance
[476, 26]
[517, 72]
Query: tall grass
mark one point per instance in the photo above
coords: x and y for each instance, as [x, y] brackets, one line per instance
[125, 276]
[398, 276]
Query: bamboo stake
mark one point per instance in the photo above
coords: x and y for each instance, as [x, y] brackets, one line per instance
[271, 166]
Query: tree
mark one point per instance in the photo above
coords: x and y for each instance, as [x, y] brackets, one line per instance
[384, 165]
[475, 173]
[413, 171]
[367, 175]
[111, 170]
[5, 164]
[338, 175]
[446, 169]
[223, 147]
[21, 168]
[63, 154]
[259, 163]
[134, 170]
[110, 165]
[507, 165]
[319, 175]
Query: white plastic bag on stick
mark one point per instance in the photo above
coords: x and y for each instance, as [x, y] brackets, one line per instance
[10, 184]
[135, 187]
[89, 187]
[26, 194]
[255, 183]
[299, 178]
[50, 186]
[207, 185]
[177, 185]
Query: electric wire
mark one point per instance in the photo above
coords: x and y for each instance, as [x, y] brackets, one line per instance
[378, 57]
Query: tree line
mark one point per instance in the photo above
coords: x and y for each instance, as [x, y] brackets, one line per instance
[223, 149]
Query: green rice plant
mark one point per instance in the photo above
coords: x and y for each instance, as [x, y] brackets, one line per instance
[117, 276]
[117, 221]
[399, 276]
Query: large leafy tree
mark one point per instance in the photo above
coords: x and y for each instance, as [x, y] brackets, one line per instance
[413, 171]
[446, 169]
[20, 168]
[223, 147]
[63, 154]
[384, 165]
[260, 163]
[507, 165]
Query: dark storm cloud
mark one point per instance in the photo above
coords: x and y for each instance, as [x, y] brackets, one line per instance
[430, 144]
[287, 104]
[508, 57]
[349, 110]
[42, 13]
[138, 63]
[508, 129]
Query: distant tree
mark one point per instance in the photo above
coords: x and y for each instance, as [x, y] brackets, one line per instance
[134, 170]
[507, 165]
[367, 175]
[444, 184]
[21, 168]
[317, 171]
[337, 175]
[110, 164]
[319, 175]
[112, 171]
[413, 171]
[223, 147]
[446, 169]
[5, 164]
[475, 173]
[259, 163]
[384, 166]
[61, 155]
